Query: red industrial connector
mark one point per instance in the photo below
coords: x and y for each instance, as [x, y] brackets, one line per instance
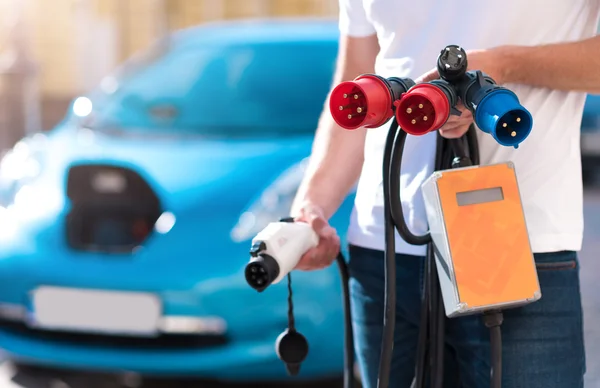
[366, 101]
[425, 107]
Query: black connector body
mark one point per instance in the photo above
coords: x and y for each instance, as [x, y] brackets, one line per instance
[496, 109]
[261, 271]
[452, 63]
[396, 86]
[450, 91]
[473, 87]
[399, 86]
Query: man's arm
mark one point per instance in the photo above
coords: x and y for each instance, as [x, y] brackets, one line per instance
[337, 154]
[560, 66]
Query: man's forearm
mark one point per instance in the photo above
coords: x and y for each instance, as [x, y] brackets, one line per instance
[337, 155]
[559, 66]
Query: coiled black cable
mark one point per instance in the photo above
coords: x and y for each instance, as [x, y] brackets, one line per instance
[431, 342]
[393, 173]
[431, 336]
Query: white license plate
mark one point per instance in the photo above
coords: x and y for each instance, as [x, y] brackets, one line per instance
[106, 312]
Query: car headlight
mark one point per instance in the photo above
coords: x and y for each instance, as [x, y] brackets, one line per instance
[274, 203]
[20, 166]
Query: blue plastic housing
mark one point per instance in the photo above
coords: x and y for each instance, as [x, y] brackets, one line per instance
[500, 114]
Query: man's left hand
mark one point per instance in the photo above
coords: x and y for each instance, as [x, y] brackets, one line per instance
[488, 61]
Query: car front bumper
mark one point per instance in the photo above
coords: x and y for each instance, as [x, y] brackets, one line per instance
[243, 351]
[242, 361]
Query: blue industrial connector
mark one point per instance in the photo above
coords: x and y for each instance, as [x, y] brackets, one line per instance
[496, 109]
[500, 114]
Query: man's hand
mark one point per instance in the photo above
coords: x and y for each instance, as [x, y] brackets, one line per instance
[329, 242]
[456, 126]
[488, 61]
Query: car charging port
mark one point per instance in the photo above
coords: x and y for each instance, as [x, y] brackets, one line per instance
[366, 102]
[113, 209]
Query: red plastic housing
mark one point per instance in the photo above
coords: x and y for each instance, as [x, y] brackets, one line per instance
[424, 108]
[365, 102]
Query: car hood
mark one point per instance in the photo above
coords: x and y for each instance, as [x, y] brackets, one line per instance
[185, 172]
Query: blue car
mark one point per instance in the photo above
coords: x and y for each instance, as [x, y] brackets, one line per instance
[125, 230]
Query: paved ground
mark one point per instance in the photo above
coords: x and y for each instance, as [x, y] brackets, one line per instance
[590, 258]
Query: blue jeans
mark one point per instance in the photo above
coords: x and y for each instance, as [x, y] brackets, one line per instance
[542, 342]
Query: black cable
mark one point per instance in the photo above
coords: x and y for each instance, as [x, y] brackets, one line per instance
[348, 334]
[496, 345]
[422, 343]
[449, 149]
[444, 157]
[433, 323]
[389, 318]
[291, 319]
[493, 320]
[394, 192]
[473, 145]
[439, 317]
[423, 346]
[431, 342]
[392, 160]
[441, 346]
[292, 347]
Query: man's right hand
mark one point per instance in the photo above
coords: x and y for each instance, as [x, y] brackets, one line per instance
[328, 248]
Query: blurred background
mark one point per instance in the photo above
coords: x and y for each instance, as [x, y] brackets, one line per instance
[121, 173]
[53, 51]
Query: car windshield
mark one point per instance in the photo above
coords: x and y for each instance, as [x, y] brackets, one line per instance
[259, 89]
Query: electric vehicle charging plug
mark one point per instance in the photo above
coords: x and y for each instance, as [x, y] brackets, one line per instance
[367, 101]
[496, 109]
[275, 252]
[426, 107]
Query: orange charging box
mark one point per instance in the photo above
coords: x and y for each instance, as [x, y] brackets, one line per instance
[477, 224]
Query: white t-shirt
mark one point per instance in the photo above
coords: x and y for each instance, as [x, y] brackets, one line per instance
[548, 162]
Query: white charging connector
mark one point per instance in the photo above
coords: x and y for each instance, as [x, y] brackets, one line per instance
[276, 251]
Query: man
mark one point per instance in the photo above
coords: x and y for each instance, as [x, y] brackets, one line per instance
[547, 52]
